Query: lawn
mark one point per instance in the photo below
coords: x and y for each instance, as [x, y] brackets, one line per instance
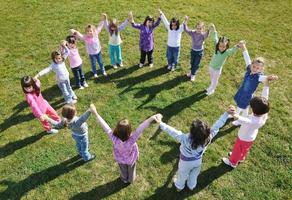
[36, 165]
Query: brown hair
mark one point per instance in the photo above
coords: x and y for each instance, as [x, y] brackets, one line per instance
[259, 105]
[89, 26]
[68, 112]
[123, 130]
[199, 133]
[28, 81]
[224, 40]
[113, 23]
[54, 54]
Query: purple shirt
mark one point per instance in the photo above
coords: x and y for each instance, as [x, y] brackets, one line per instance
[125, 152]
[197, 38]
[146, 35]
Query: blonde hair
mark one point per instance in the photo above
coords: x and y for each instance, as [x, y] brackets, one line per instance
[259, 60]
[89, 26]
[68, 112]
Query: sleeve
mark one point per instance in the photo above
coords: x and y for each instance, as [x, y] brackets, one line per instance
[206, 34]
[79, 35]
[187, 30]
[57, 125]
[139, 130]
[106, 25]
[177, 135]
[45, 71]
[83, 118]
[65, 52]
[214, 37]
[246, 58]
[100, 25]
[104, 125]
[232, 50]
[165, 21]
[262, 78]
[244, 120]
[123, 25]
[265, 92]
[137, 26]
[218, 124]
[181, 28]
[34, 106]
[156, 23]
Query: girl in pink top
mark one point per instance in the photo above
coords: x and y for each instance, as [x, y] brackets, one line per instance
[125, 148]
[38, 105]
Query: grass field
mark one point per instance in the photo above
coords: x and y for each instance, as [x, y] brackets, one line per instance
[35, 165]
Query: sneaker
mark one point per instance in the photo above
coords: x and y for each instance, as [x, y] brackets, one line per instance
[240, 161]
[115, 66]
[104, 73]
[193, 77]
[227, 162]
[172, 68]
[210, 92]
[85, 85]
[95, 76]
[75, 97]
[81, 88]
[93, 156]
[52, 131]
[235, 123]
[121, 64]
[151, 65]
[140, 65]
[189, 74]
[73, 101]
[169, 67]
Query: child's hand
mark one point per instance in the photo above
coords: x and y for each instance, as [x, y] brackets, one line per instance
[231, 110]
[158, 117]
[73, 31]
[63, 43]
[103, 16]
[212, 28]
[186, 19]
[36, 77]
[92, 108]
[269, 79]
[241, 44]
[160, 12]
[43, 117]
[130, 17]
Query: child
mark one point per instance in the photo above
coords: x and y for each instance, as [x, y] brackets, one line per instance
[173, 42]
[249, 126]
[75, 62]
[222, 51]
[252, 78]
[78, 127]
[93, 45]
[62, 74]
[38, 105]
[146, 38]
[192, 147]
[198, 37]
[115, 40]
[125, 148]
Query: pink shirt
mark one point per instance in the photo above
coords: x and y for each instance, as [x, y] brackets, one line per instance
[125, 152]
[37, 104]
[74, 58]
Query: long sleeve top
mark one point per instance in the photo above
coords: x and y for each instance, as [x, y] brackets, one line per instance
[115, 39]
[60, 69]
[92, 43]
[174, 36]
[219, 58]
[146, 35]
[74, 58]
[125, 152]
[36, 102]
[77, 125]
[197, 38]
[250, 125]
[185, 140]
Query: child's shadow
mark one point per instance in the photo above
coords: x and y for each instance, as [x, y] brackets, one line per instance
[101, 191]
[17, 190]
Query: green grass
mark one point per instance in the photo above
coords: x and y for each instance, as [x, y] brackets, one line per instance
[34, 165]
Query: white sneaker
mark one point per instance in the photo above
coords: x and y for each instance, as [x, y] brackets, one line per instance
[104, 73]
[210, 92]
[85, 85]
[121, 64]
[189, 74]
[73, 101]
[169, 67]
[193, 78]
[240, 161]
[95, 76]
[75, 97]
[81, 88]
[140, 65]
[151, 65]
[52, 131]
[235, 123]
[115, 66]
[227, 162]
[172, 68]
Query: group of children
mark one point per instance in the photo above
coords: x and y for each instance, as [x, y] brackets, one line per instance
[125, 148]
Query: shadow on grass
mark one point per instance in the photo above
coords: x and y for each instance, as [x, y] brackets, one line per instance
[17, 190]
[101, 191]
[222, 133]
[204, 179]
[11, 147]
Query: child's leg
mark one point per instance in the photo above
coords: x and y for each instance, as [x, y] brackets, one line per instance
[81, 75]
[182, 174]
[142, 57]
[118, 54]
[83, 145]
[112, 54]
[245, 112]
[47, 126]
[150, 57]
[76, 76]
[69, 89]
[123, 172]
[78, 144]
[131, 173]
[52, 113]
[192, 180]
[93, 63]
[175, 56]
[168, 56]
[214, 78]
[196, 57]
[100, 62]
[239, 151]
[65, 92]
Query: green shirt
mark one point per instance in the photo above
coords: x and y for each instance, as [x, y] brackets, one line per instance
[219, 59]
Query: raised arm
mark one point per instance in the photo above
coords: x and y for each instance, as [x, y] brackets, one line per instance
[186, 28]
[214, 37]
[101, 121]
[83, 118]
[164, 20]
[156, 23]
[246, 55]
[100, 25]
[43, 72]
[77, 34]
[232, 50]
[176, 134]
[64, 49]
[218, 124]
[123, 25]
[137, 133]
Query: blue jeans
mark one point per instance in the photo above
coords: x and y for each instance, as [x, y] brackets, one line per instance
[67, 91]
[93, 58]
[79, 76]
[172, 55]
[196, 57]
[82, 145]
[115, 54]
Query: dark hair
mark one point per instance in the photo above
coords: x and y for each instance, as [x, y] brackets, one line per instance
[71, 39]
[199, 133]
[259, 105]
[123, 130]
[113, 23]
[174, 20]
[224, 40]
[68, 112]
[89, 26]
[28, 81]
[148, 18]
[56, 53]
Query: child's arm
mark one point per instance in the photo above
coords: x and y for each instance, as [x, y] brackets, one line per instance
[214, 35]
[43, 72]
[34, 106]
[123, 25]
[100, 25]
[56, 124]
[106, 23]
[156, 23]
[176, 134]
[232, 50]
[164, 19]
[64, 49]
[83, 118]
[220, 122]
[245, 55]
[186, 28]
[101, 121]
[77, 34]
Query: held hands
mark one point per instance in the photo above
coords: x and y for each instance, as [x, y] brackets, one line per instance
[157, 118]
[130, 17]
[269, 79]
[160, 12]
[103, 16]
[92, 108]
[63, 43]
[186, 19]
[212, 28]
[241, 44]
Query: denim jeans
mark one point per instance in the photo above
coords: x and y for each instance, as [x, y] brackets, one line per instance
[82, 145]
[96, 57]
[149, 56]
[79, 76]
[172, 55]
[115, 54]
[196, 57]
[67, 91]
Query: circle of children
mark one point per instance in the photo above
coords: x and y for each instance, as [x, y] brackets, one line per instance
[125, 148]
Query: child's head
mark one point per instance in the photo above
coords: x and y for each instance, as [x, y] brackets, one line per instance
[259, 105]
[257, 65]
[222, 44]
[71, 41]
[68, 112]
[200, 27]
[123, 130]
[199, 133]
[149, 20]
[113, 26]
[89, 30]
[29, 86]
[174, 24]
[57, 57]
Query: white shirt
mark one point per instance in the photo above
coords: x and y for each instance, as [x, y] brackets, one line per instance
[174, 36]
